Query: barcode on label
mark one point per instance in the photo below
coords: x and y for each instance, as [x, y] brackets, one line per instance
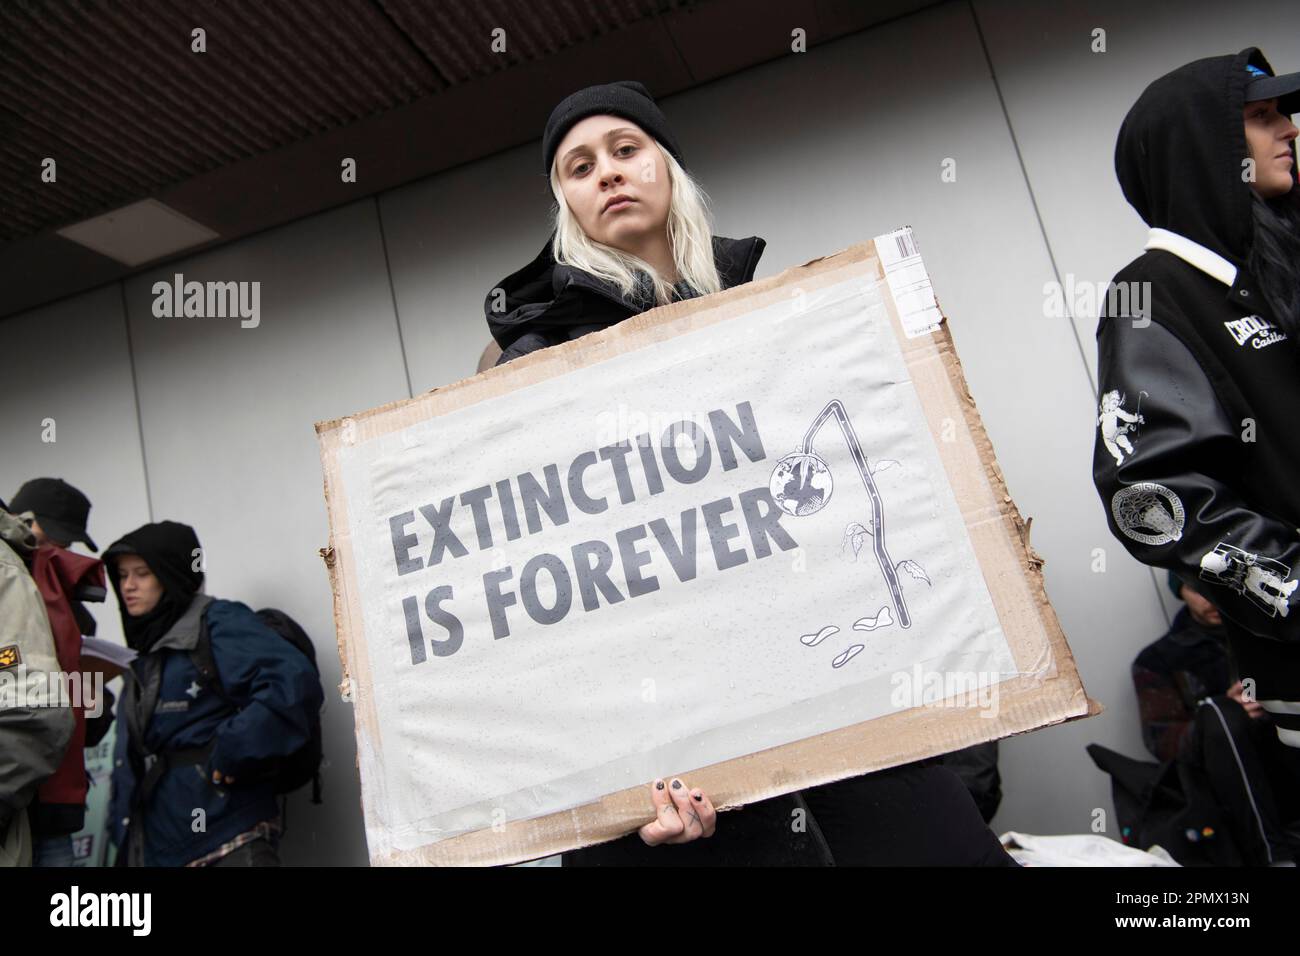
[909, 283]
[906, 244]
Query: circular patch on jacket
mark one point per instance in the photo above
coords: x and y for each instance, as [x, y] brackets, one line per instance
[1148, 512]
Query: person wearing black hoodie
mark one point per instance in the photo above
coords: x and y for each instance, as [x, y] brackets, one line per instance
[632, 232]
[206, 729]
[1198, 366]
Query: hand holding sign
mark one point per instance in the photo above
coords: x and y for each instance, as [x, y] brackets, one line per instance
[681, 815]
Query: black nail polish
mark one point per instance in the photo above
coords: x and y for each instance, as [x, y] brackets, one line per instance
[659, 784]
[677, 785]
[699, 798]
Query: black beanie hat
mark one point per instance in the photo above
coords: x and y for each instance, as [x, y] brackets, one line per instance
[626, 98]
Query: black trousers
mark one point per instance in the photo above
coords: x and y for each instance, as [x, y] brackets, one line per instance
[1255, 778]
[919, 814]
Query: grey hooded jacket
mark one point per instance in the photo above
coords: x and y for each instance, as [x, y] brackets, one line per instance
[34, 729]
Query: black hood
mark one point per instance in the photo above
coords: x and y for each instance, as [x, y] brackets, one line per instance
[1180, 151]
[540, 297]
[171, 550]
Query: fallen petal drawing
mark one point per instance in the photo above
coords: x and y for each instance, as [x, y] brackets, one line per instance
[848, 655]
[883, 619]
[812, 640]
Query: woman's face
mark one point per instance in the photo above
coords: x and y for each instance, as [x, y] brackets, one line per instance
[141, 590]
[602, 157]
[1268, 137]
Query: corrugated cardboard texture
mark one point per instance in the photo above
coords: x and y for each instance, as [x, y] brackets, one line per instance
[1048, 691]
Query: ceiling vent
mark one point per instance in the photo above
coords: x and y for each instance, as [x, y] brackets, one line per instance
[139, 233]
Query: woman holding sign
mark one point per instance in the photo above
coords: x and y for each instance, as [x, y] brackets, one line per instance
[631, 233]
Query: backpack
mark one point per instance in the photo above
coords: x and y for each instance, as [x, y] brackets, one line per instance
[1170, 804]
[303, 765]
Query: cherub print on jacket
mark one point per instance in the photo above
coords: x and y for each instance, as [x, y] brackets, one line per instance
[1116, 424]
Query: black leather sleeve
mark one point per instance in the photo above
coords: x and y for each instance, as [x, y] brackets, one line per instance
[1164, 464]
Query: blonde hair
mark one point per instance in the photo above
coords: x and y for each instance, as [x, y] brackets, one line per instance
[690, 237]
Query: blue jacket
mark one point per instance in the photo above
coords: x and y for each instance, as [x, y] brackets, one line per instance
[167, 707]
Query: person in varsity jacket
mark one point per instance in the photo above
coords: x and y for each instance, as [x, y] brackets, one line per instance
[1197, 455]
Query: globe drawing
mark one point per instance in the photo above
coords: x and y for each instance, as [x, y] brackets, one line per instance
[801, 484]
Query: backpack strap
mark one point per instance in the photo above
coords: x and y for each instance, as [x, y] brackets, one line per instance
[203, 661]
[157, 764]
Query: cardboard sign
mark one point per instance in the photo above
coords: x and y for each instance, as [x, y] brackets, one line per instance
[757, 540]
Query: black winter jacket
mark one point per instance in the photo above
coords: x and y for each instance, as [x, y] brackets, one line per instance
[544, 304]
[1197, 455]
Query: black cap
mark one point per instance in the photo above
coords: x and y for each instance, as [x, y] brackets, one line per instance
[626, 98]
[61, 509]
[1265, 86]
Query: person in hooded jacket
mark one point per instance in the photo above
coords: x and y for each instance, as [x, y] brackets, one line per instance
[34, 730]
[202, 757]
[1197, 457]
[58, 514]
[631, 232]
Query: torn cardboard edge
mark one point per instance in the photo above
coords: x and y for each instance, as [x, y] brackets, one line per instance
[1048, 690]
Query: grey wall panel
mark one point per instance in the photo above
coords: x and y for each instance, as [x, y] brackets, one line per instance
[69, 361]
[451, 238]
[227, 415]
